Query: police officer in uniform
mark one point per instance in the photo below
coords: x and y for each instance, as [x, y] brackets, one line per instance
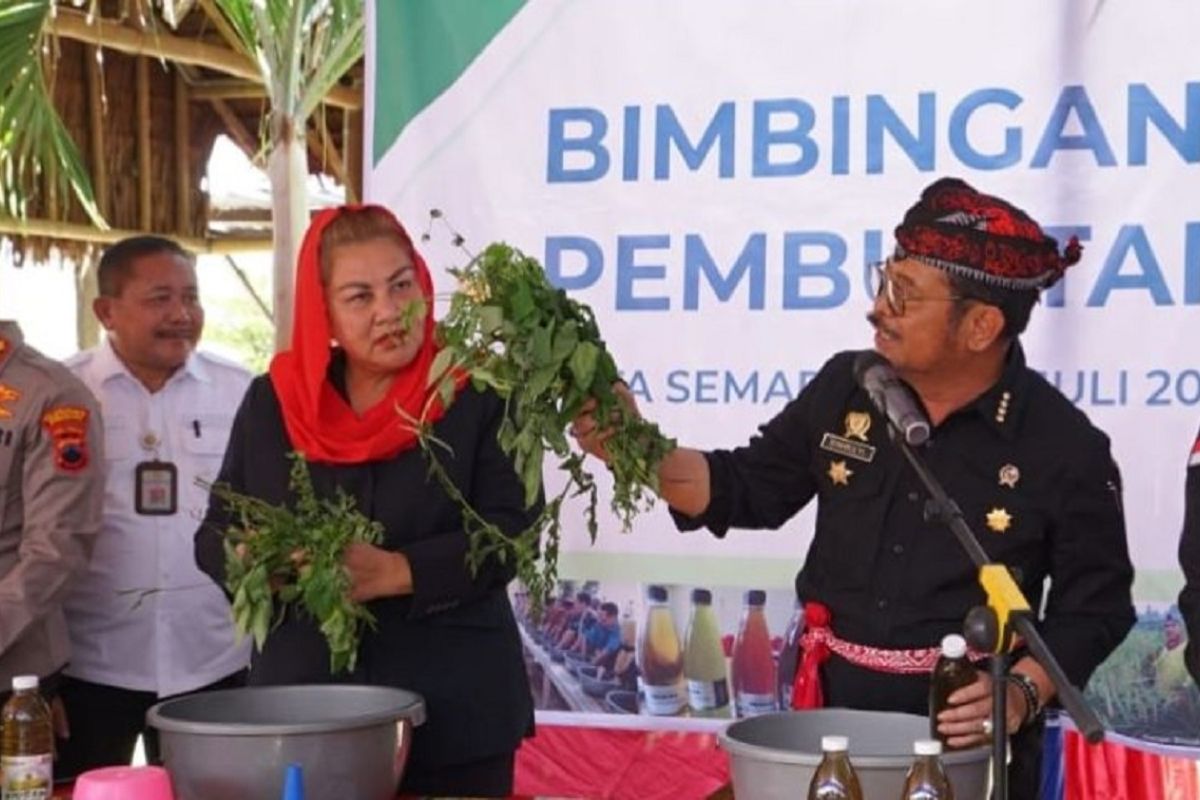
[1036, 481]
[51, 496]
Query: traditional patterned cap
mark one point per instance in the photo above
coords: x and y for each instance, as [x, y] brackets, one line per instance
[982, 238]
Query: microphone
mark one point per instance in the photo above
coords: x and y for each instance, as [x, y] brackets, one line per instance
[876, 375]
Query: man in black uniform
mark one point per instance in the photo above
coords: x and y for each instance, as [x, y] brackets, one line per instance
[1189, 559]
[1034, 478]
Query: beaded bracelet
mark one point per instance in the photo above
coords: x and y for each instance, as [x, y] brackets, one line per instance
[1029, 689]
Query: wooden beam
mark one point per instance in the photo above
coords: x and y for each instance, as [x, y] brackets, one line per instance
[183, 158]
[321, 146]
[145, 196]
[352, 147]
[237, 131]
[208, 245]
[221, 24]
[95, 86]
[246, 216]
[228, 89]
[87, 288]
[159, 44]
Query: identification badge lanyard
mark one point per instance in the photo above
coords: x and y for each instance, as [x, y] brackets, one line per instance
[155, 483]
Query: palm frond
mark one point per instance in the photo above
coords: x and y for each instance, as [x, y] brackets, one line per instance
[20, 24]
[240, 16]
[34, 142]
[303, 47]
[337, 46]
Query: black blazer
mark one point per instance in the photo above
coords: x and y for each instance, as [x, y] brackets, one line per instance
[454, 640]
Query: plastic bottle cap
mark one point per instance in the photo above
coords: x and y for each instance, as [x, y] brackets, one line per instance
[656, 594]
[756, 597]
[835, 744]
[702, 597]
[927, 747]
[23, 683]
[954, 646]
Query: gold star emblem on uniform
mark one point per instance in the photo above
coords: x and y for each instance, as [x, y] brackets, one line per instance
[1002, 407]
[1009, 475]
[999, 520]
[7, 395]
[839, 473]
[857, 425]
[149, 441]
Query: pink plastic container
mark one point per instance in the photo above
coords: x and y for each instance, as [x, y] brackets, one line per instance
[124, 783]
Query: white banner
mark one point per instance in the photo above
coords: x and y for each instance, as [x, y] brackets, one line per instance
[712, 178]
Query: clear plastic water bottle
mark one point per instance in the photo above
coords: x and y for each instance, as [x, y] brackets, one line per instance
[27, 744]
[927, 779]
[835, 778]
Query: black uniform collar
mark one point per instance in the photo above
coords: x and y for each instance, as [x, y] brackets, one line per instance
[1003, 404]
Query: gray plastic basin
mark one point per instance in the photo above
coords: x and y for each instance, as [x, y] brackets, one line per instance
[774, 755]
[235, 744]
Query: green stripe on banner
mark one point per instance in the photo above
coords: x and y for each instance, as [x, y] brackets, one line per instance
[761, 573]
[421, 48]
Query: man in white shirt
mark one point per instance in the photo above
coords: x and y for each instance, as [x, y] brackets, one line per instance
[144, 622]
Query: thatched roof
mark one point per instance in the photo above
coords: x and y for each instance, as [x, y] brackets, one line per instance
[145, 125]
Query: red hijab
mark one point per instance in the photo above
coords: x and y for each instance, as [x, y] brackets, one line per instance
[320, 422]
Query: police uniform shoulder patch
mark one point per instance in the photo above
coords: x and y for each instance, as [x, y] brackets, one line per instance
[67, 427]
[1194, 458]
[8, 395]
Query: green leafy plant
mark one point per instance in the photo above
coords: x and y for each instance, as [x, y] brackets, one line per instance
[276, 556]
[509, 329]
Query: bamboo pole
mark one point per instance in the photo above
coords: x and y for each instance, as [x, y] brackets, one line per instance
[183, 170]
[249, 287]
[209, 245]
[87, 327]
[145, 197]
[158, 44]
[95, 81]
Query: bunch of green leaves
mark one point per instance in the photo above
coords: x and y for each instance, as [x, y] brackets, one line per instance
[276, 556]
[509, 329]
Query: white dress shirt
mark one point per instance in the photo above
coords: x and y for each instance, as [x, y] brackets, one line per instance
[180, 637]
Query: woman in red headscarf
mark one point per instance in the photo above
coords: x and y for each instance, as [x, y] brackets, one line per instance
[335, 397]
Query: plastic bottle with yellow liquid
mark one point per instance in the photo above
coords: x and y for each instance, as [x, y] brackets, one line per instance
[927, 779]
[26, 744]
[660, 658]
[835, 778]
[952, 672]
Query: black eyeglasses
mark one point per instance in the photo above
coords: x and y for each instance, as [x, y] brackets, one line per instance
[897, 295]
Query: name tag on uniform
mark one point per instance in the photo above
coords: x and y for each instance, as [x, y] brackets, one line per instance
[156, 488]
[845, 447]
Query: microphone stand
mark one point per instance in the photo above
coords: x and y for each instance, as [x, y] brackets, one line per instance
[991, 628]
